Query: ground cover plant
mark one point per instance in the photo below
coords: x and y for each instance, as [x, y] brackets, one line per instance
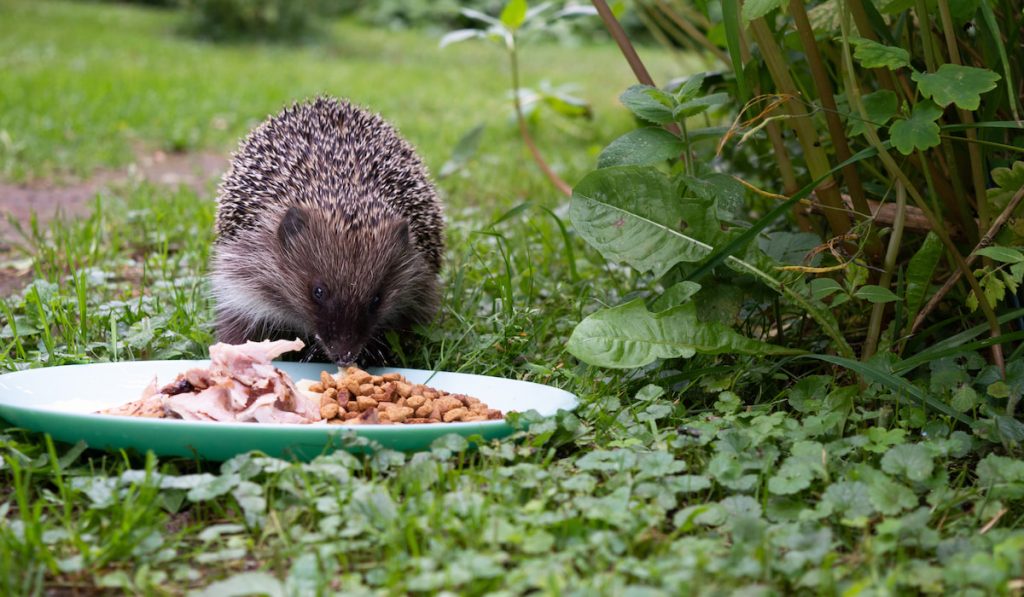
[709, 454]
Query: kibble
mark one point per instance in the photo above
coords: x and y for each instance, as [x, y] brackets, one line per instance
[356, 397]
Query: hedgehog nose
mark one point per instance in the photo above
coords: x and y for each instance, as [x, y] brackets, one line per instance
[345, 359]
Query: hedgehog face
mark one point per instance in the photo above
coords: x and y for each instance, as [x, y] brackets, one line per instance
[355, 280]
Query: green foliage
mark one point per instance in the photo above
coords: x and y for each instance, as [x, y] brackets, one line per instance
[642, 147]
[919, 131]
[880, 107]
[631, 336]
[252, 19]
[756, 9]
[956, 84]
[871, 54]
[631, 214]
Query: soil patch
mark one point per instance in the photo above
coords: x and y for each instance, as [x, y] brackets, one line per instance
[48, 200]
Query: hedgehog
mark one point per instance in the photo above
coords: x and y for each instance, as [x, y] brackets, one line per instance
[328, 227]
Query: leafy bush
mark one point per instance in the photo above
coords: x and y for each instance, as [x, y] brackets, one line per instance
[260, 19]
[904, 149]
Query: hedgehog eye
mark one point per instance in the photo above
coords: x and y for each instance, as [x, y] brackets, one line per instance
[319, 293]
[374, 303]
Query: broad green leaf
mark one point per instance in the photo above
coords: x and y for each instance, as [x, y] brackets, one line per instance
[727, 193]
[576, 10]
[920, 131]
[807, 394]
[755, 9]
[1009, 182]
[889, 497]
[792, 477]
[741, 505]
[689, 89]
[872, 54]
[688, 483]
[965, 398]
[1002, 254]
[963, 10]
[243, 583]
[850, 499]
[880, 106]
[566, 104]
[1010, 429]
[825, 17]
[822, 288]
[649, 103]
[214, 487]
[641, 147]
[882, 439]
[912, 461]
[697, 105]
[875, 294]
[677, 294]
[514, 13]
[632, 214]
[476, 15]
[630, 336]
[1003, 477]
[454, 37]
[953, 83]
[790, 248]
[920, 271]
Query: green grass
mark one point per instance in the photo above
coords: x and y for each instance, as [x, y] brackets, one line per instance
[85, 85]
[722, 484]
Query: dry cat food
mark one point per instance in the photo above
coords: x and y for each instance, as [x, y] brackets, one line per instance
[356, 397]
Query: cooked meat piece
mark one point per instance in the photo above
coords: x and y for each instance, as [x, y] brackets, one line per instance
[211, 404]
[240, 385]
[178, 386]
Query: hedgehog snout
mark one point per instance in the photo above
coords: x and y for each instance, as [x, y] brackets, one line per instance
[343, 351]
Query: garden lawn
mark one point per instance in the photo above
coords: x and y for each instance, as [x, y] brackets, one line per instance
[698, 479]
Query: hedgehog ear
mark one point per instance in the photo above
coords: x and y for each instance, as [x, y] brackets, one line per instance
[292, 225]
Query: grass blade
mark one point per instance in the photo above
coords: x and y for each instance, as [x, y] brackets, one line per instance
[731, 20]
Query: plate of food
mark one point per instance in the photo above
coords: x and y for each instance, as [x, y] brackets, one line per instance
[242, 399]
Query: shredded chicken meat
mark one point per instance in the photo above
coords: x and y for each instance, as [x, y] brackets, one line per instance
[241, 385]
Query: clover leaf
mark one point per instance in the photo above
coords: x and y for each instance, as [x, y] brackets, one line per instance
[912, 461]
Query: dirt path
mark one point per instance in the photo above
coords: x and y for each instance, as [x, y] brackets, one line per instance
[196, 170]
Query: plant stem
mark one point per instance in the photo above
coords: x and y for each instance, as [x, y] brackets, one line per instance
[524, 131]
[860, 18]
[619, 35]
[852, 90]
[966, 117]
[892, 252]
[626, 47]
[985, 241]
[817, 162]
[689, 29]
[835, 128]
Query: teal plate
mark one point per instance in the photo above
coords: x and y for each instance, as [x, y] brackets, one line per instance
[61, 401]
